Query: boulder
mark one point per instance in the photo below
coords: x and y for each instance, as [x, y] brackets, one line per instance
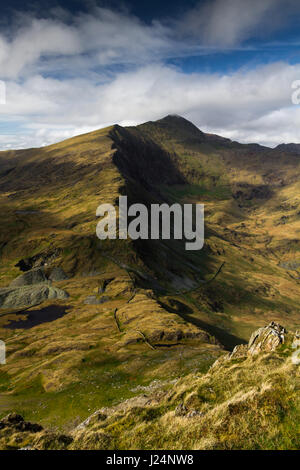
[29, 295]
[34, 276]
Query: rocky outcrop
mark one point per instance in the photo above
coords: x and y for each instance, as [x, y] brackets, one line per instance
[17, 423]
[94, 418]
[266, 339]
[34, 276]
[32, 288]
[39, 260]
[29, 295]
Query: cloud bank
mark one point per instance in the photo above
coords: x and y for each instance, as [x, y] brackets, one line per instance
[71, 74]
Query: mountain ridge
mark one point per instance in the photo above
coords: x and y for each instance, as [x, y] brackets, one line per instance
[166, 120]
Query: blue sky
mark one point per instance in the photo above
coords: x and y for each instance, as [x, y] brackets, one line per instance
[71, 66]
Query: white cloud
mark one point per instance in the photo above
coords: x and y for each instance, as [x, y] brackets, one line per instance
[77, 44]
[82, 42]
[252, 105]
[227, 23]
[55, 90]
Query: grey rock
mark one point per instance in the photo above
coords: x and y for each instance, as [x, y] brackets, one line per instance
[90, 273]
[93, 300]
[34, 276]
[26, 212]
[290, 265]
[29, 295]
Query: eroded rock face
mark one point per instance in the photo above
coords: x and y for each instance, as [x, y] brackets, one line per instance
[266, 339]
[29, 295]
[34, 276]
[39, 260]
[31, 288]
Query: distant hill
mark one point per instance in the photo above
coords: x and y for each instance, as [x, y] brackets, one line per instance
[292, 148]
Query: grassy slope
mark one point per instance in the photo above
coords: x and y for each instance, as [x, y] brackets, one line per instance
[60, 372]
[239, 403]
[245, 403]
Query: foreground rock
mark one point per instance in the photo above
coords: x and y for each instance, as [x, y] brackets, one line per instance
[29, 295]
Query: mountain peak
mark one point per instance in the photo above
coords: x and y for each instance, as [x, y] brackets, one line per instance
[172, 117]
[175, 119]
[175, 125]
